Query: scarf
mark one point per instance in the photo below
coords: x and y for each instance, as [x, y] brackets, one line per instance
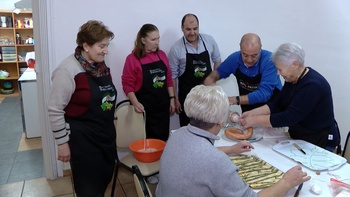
[96, 69]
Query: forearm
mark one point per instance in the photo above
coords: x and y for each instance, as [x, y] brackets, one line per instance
[256, 117]
[132, 98]
[263, 110]
[263, 121]
[171, 91]
[59, 99]
[242, 100]
[225, 149]
[238, 148]
[212, 78]
[174, 88]
[216, 64]
[58, 125]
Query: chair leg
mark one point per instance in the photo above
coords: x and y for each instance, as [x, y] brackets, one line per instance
[114, 179]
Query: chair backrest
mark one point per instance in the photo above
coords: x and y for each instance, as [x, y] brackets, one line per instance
[346, 151]
[142, 188]
[130, 125]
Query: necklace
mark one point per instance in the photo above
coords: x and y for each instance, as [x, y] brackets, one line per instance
[301, 75]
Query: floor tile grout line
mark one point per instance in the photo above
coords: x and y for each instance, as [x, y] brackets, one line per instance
[24, 182]
[13, 162]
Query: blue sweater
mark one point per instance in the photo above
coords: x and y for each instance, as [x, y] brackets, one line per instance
[269, 78]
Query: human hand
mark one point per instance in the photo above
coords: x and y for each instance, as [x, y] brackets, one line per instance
[178, 108]
[246, 114]
[247, 120]
[292, 178]
[63, 152]
[295, 176]
[209, 81]
[241, 147]
[139, 107]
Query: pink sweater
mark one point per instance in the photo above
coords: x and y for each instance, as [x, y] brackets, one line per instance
[132, 73]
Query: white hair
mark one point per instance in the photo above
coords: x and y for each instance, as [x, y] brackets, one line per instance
[207, 103]
[289, 52]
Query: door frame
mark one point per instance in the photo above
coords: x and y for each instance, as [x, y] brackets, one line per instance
[44, 57]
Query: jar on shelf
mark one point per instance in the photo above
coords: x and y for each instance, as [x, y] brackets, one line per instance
[19, 24]
[18, 38]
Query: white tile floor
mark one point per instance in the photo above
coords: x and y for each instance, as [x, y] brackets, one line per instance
[42, 187]
[62, 187]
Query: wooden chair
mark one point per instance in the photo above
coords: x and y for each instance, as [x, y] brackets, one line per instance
[142, 188]
[130, 126]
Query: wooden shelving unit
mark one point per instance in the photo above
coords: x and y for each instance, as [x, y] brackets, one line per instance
[8, 38]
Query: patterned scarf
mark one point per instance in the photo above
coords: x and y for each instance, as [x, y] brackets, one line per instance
[97, 69]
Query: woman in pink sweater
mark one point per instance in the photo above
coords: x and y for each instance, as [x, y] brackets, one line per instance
[147, 82]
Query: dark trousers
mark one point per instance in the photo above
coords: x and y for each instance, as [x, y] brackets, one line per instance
[184, 120]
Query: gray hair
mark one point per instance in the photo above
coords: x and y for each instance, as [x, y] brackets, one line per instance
[208, 104]
[288, 53]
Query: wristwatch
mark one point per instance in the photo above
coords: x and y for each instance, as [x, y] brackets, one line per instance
[237, 100]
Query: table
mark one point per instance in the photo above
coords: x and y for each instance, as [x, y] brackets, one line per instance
[263, 149]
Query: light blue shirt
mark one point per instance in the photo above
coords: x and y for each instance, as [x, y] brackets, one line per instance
[177, 53]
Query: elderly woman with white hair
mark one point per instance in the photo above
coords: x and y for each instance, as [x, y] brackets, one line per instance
[305, 103]
[191, 166]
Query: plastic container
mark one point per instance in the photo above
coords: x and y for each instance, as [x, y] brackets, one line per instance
[31, 63]
[18, 38]
[7, 85]
[234, 117]
[148, 153]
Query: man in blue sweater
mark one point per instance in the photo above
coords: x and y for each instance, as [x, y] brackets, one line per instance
[256, 74]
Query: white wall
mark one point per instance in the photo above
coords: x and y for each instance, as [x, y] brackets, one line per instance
[7, 4]
[320, 26]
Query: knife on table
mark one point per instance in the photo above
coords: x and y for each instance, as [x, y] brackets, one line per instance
[298, 190]
[299, 148]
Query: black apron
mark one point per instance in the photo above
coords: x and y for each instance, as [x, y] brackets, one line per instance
[248, 84]
[197, 69]
[154, 97]
[317, 137]
[93, 137]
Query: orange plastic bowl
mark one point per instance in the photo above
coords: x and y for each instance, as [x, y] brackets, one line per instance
[149, 153]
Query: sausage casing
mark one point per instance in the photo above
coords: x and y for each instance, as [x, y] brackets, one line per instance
[238, 134]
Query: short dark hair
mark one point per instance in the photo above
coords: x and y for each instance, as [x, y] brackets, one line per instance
[184, 18]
